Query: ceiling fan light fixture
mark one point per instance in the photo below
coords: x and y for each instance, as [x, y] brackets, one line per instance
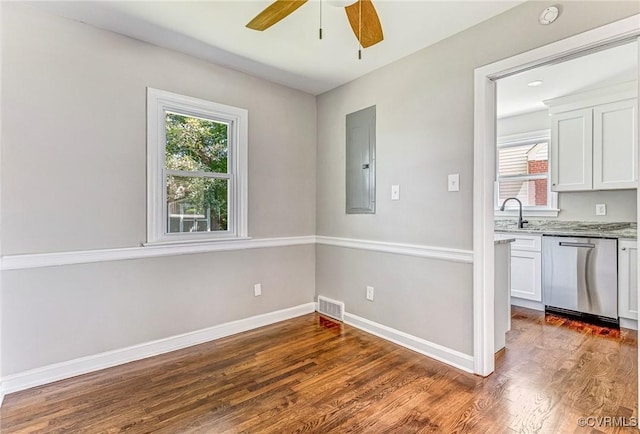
[361, 14]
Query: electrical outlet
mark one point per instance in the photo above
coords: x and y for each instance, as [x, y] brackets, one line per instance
[257, 289]
[370, 293]
[454, 182]
[395, 192]
[601, 209]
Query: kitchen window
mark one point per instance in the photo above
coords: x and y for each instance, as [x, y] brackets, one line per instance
[196, 169]
[522, 171]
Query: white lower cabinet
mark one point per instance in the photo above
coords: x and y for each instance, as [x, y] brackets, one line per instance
[628, 281]
[526, 275]
[526, 268]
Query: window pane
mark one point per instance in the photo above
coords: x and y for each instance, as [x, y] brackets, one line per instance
[195, 144]
[523, 160]
[531, 193]
[196, 204]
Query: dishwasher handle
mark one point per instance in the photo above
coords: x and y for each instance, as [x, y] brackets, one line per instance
[569, 244]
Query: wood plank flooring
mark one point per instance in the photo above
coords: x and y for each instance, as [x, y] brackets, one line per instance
[311, 375]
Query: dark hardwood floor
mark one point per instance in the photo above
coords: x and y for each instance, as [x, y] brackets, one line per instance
[311, 375]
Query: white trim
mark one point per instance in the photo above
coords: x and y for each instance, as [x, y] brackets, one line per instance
[447, 254]
[603, 95]
[529, 304]
[530, 137]
[435, 351]
[192, 242]
[484, 166]
[151, 250]
[159, 102]
[83, 365]
[520, 138]
[19, 262]
[629, 323]
[1, 117]
[637, 156]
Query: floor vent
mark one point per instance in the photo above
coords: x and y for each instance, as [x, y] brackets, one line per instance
[332, 308]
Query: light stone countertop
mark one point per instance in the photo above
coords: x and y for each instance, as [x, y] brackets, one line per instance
[502, 239]
[570, 228]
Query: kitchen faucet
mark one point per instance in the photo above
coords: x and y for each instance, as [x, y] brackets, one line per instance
[520, 221]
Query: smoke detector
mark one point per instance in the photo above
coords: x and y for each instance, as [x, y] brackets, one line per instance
[548, 15]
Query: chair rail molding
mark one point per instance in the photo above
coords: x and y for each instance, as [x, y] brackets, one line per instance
[444, 253]
[53, 259]
[39, 260]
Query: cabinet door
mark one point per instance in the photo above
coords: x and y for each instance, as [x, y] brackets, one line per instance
[615, 145]
[572, 151]
[526, 275]
[628, 279]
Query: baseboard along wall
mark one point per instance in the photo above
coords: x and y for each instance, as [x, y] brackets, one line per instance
[435, 351]
[83, 365]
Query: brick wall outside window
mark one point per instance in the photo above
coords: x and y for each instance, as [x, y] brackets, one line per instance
[538, 194]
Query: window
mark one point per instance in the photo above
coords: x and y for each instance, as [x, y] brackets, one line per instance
[196, 169]
[523, 172]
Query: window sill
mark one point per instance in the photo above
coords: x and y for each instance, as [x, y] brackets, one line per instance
[192, 242]
[547, 212]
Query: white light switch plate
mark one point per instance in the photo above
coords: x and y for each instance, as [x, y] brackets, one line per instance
[454, 182]
[395, 192]
[257, 289]
[601, 209]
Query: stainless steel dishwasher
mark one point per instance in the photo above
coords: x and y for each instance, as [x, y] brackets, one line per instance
[580, 277]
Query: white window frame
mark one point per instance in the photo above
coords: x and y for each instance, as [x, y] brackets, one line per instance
[511, 210]
[159, 102]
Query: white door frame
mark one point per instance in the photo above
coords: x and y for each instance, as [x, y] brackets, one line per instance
[484, 167]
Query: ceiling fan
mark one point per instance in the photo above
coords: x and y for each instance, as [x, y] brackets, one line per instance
[361, 15]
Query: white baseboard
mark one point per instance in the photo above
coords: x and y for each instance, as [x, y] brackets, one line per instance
[529, 304]
[435, 351]
[629, 323]
[83, 365]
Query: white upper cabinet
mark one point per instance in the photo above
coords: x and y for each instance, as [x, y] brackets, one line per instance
[615, 139]
[571, 151]
[594, 140]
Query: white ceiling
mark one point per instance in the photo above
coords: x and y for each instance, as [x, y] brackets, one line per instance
[603, 68]
[290, 52]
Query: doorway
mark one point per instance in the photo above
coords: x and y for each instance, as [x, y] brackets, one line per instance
[485, 163]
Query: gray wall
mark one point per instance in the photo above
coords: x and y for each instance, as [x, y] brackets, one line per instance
[56, 314]
[421, 297]
[73, 178]
[424, 132]
[74, 132]
[621, 204]
[524, 123]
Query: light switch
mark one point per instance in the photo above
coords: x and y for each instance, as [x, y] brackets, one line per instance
[454, 182]
[601, 209]
[395, 192]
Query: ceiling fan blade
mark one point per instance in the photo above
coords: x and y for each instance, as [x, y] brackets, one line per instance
[369, 31]
[275, 12]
